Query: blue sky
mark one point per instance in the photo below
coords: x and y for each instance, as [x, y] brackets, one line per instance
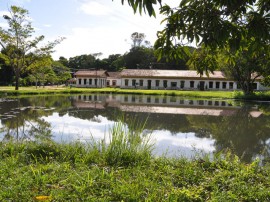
[89, 26]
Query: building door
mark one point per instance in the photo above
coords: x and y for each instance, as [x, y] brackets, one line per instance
[149, 84]
[202, 85]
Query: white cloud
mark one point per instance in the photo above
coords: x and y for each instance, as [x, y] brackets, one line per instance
[20, 2]
[92, 40]
[47, 25]
[4, 25]
[95, 8]
[4, 13]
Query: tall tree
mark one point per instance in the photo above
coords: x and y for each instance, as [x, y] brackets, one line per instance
[17, 42]
[211, 23]
[82, 62]
[137, 39]
[41, 71]
[62, 73]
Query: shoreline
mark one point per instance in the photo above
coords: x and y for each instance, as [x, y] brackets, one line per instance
[257, 96]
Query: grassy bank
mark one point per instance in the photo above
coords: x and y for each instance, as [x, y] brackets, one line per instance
[73, 172]
[123, 170]
[195, 94]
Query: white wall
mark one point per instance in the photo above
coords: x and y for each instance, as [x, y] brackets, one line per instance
[178, 84]
[101, 82]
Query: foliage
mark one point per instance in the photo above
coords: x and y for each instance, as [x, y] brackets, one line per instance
[82, 62]
[137, 39]
[196, 94]
[212, 23]
[238, 28]
[64, 172]
[127, 144]
[19, 49]
[62, 72]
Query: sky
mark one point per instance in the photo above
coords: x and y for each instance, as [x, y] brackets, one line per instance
[89, 26]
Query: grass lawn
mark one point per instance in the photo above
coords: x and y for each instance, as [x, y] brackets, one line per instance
[62, 172]
[195, 94]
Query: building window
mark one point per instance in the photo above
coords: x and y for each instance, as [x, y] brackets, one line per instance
[126, 82]
[217, 85]
[157, 83]
[80, 81]
[164, 100]
[165, 83]
[90, 81]
[224, 85]
[141, 82]
[255, 86]
[191, 84]
[231, 85]
[173, 99]
[126, 98]
[133, 98]
[96, 82]
[114, 82]
[173, 84]
[133, 82]
[201, 102]
[210, 84]
[182, 84]
[84, 81]
[108, 83]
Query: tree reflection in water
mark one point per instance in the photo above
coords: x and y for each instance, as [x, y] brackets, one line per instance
[21, 119]
[240, 127]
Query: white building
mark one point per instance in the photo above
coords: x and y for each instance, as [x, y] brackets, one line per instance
[114, 79]
[91, 78]
[178, 79]
[159, 79]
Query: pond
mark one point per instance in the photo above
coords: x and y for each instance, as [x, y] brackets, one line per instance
[178, 126]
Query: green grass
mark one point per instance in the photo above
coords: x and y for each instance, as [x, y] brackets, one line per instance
[195, 94]
[123, 170]
[73, 172]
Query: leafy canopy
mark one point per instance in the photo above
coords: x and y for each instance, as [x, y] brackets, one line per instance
[212, 24]
[19, 47]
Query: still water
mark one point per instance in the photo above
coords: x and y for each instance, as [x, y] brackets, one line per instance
[178, 126]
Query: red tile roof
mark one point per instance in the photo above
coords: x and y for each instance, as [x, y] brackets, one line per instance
[114, 74]
[97, 73]
[169, 73]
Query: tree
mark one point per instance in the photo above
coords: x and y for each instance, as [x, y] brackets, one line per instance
[6, 73]
[18, 44]
[63, 61]
[137, 39]
[241, 29]
[247, 65]
[82, 62]
[41, 71]
[62, 73]
[212, 23]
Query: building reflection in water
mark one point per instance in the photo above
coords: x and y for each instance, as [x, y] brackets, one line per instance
[159, 104]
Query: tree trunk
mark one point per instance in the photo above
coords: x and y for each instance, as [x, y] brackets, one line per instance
[17, 77]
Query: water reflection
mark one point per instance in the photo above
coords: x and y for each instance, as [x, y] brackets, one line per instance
[179, 126]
